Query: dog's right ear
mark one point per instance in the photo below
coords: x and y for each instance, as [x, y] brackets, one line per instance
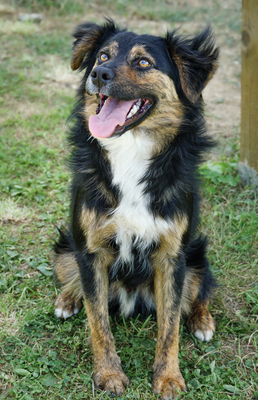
[89, 37]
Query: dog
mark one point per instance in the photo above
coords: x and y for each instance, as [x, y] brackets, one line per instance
[133, 245]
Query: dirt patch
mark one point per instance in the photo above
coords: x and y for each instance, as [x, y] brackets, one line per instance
[222, 95]
[59, 73]
[10, 211]
[9, 323]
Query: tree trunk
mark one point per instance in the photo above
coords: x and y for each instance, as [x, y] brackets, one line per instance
[249, 88]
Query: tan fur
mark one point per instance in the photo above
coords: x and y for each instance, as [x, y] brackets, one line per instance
[108, 374]
[167, 378]
[171, 242]
[68, 274]
[85, 45]
[91, 104]
[185, 80]
[68, 302]
[140, 52]
[111, 50]
[215, 67]
[99, 230]
[200, 319]
[162, 125]
[190, 291]
[167, 114]
[183, 72]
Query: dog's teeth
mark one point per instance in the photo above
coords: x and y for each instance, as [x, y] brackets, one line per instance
[134, 109]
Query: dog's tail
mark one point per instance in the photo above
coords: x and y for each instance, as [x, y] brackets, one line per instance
[65, 243]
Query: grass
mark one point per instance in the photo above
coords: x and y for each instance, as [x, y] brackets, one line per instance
[170, 11]
[42, 357]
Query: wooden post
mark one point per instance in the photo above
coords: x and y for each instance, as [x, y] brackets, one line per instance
[249, 92]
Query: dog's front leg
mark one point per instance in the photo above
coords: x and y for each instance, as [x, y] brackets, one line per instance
[169, 272]
[108, 374]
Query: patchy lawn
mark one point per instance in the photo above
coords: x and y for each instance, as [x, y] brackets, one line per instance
[42, 357]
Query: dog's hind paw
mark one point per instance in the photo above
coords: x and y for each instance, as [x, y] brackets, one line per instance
[204, 335]
[66, 306]
[201, 324]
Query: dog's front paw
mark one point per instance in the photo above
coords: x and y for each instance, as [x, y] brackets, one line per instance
[167, 385]
[202, 325]
[114, 382]
[66, 306]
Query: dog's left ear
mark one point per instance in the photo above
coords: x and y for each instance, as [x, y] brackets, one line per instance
[196, 60]
[88, 38]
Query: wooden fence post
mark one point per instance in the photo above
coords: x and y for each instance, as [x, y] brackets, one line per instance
[248, 166]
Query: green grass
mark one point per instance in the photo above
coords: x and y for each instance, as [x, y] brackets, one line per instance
[42, 357]
[147, 9]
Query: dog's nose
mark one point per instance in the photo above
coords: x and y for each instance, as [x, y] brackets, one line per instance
[101, 76]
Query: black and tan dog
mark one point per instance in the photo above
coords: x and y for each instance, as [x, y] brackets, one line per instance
[137, 141]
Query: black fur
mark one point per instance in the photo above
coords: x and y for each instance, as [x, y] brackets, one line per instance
[133, 245]
[172, 177]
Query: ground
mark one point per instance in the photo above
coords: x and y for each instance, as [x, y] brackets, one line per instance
[43, 357]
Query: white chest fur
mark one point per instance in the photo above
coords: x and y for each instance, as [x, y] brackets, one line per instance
[130, 156]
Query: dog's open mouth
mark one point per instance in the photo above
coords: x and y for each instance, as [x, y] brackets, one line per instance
[114, 116]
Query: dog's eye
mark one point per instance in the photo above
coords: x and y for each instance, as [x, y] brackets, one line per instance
[144, 63]
[103, 57]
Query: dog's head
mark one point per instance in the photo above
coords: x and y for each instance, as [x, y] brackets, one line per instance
[140, 81]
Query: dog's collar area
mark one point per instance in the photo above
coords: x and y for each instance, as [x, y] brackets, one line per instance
[115, 116]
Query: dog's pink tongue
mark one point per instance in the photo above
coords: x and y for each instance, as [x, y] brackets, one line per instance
[113, 113]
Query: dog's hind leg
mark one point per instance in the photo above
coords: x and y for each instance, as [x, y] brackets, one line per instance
[69, 302]
[198, 286]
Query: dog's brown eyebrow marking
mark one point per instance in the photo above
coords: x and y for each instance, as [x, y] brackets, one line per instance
[111, 49]
[139, 51]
